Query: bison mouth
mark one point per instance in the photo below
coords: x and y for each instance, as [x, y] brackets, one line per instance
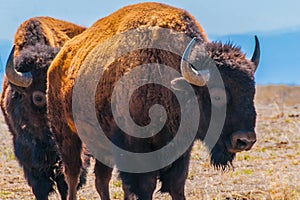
[224, 151]
[221, 158]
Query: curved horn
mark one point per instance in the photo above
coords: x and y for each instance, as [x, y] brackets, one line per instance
[17, 78]
[190, 74]
[256, 54]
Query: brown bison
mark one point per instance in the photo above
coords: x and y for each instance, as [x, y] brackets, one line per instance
[23, 101]
[84, 53]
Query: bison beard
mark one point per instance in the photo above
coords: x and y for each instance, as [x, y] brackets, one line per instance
[221, 158]
[41, 164]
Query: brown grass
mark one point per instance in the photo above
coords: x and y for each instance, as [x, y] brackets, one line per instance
[270, 171]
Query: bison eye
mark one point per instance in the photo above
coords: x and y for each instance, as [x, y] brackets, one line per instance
[218, 97]
[39, 98]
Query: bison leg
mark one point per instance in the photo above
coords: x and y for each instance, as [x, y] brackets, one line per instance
[173, 180]
[128, 195]
[71, 149]
[103, 176]
[62, 186]
[140, 185]
[40, 183]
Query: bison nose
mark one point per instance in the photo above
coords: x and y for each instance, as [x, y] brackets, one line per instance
[242, 141]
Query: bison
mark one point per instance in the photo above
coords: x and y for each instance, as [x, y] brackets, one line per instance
[84, 52]
[23, 101]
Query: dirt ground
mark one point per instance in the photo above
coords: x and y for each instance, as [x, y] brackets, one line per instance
[269, 171]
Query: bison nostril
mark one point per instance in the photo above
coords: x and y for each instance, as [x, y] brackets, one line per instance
[241, 141]
[241, 144]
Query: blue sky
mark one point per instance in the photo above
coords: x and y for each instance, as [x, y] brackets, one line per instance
[233, 20]
[217, 17]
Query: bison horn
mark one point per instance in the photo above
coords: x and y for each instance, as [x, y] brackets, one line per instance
[17, 78]
[189, 73]
[256, 55]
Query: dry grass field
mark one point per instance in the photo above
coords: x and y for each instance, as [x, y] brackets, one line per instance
[270, 171]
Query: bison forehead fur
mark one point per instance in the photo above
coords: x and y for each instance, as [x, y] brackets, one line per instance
[236, 71]
[35, 57]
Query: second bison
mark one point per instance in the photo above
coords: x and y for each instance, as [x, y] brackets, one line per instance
[23, 101]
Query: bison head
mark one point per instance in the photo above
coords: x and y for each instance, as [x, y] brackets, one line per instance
[26, 73]
[236, 95]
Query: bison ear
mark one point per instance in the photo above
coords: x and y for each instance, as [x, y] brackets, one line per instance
[179, 84]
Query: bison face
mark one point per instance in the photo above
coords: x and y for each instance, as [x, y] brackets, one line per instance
[234, 98]
[238, 132]
[27, 103]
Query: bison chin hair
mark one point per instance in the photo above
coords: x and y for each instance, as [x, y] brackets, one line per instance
[221, 159]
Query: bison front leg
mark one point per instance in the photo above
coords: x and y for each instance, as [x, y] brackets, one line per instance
[140, 185]
[71, 149]
[62, 186]
[103, 176]
[173, 179]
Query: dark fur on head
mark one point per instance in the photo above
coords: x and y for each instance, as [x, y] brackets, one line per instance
[30, 34]
[230, 55]
[35, 57]
[238, 77]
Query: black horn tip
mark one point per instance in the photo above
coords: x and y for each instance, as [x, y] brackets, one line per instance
[256, 55]
[188, 49]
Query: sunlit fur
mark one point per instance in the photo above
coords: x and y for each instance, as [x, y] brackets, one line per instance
[76, 54]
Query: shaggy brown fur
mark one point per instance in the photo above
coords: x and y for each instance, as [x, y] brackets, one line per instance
[64, 70]
[45, 30]
[37, 42]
